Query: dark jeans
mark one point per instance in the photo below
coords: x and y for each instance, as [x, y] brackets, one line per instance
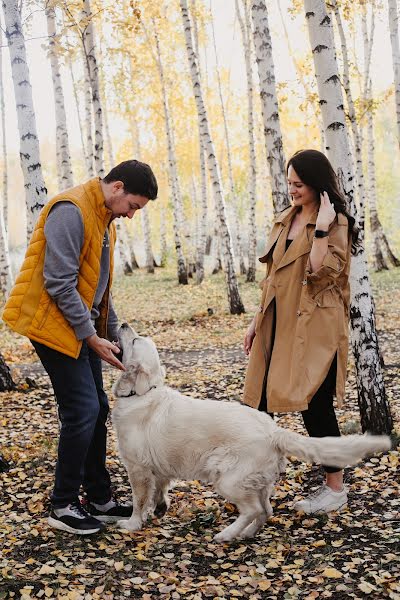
[320, 418]
[83, 409]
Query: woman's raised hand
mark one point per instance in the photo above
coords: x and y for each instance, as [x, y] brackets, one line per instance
[326, 213]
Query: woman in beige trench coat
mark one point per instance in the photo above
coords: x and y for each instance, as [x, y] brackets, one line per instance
[298, 340]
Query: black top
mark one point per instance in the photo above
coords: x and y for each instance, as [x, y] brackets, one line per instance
[288, 242]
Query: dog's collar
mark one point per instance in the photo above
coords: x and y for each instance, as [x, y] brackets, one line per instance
[153, 387]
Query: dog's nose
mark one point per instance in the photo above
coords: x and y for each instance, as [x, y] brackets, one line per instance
[124, 326]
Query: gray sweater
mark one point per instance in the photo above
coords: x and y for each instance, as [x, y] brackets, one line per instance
[64, 240]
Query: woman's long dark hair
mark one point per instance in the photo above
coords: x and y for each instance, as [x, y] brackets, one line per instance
[315, 170]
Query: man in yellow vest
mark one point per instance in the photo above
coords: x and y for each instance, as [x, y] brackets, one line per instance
[61, 301]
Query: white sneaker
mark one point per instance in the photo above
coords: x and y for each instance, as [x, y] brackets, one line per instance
[324, 500]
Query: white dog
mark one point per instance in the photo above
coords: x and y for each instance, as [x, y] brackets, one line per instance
[163, 436]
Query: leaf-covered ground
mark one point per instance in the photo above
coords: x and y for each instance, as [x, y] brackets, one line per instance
[353, 554]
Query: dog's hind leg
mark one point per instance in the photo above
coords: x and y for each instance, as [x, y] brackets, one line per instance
[256, 525]
[143, 487]
[250, 509]
[161, 499]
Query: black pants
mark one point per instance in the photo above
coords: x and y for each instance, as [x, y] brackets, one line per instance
[83, 409]
[320, 418]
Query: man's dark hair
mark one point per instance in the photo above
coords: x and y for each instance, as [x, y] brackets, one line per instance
[137, 177]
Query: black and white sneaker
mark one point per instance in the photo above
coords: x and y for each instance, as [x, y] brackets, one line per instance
[74, 519]
[111, 512]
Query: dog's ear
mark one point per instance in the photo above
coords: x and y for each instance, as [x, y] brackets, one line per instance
[142, 383]
[123, 386]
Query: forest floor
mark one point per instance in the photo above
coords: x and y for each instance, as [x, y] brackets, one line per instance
[352, 554]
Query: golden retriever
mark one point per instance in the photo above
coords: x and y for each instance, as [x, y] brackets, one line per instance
[164, 435]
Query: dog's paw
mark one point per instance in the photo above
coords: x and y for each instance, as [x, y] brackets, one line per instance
[130, 524]
[222, 537]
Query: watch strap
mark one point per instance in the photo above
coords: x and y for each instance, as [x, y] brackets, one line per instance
[319, 233]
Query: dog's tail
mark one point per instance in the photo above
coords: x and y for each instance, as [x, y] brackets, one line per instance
[333, 451]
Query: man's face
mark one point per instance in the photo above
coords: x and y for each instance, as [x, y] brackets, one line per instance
[122, 204]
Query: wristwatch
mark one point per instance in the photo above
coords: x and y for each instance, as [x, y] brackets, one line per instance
[319, 233]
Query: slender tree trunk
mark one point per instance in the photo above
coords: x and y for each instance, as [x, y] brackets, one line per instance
[6, 381]
[89, 46]
[245, 28]
[89, 165]
[351, 108]
[147, 240]
[232, 191]
[64, 168]
[35, 189]
[374, 407]
[88, 118]
[235, 302]
[3, 139]
[202, 236]
[6, 279]
[163, 238]
[394, 40]
[269, 104]
[172, 170]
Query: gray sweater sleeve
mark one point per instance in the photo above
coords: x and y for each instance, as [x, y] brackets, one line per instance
[64, 240]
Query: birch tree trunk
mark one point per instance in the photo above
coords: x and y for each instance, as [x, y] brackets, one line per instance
[3, 139]
[232, 194]
[6, 381]
[202, 235]
[394, 40]
[252, 181]
[357, 139]
[64, 168]
[35, 189]
[172, 170]
[163, 238]
[89, 165]
[382, 255]
[89, 46]
[235, 302]
[374, 407]
[269, 104]
[5, 265]
[144, 215]
[88, 118]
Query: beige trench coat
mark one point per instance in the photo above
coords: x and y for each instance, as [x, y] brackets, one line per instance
[312, 311]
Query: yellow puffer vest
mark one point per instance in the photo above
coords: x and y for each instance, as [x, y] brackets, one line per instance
[29, 309]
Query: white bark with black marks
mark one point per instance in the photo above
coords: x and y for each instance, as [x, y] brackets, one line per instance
[35, 189]
[245, 28]
[202, 222]
[172, 168]
[232, 192]
[234, 300]
[394, 40]
[269, 104]
[64, 167]
[351, 111]
[372, 400]
[4, 195]
[89, 46]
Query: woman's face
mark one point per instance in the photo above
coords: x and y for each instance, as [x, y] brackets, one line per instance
[301, 194]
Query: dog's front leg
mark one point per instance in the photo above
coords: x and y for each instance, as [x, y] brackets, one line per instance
[143, 486]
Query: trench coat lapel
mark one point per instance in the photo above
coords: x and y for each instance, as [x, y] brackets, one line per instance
[280, 223]
[275, 234]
